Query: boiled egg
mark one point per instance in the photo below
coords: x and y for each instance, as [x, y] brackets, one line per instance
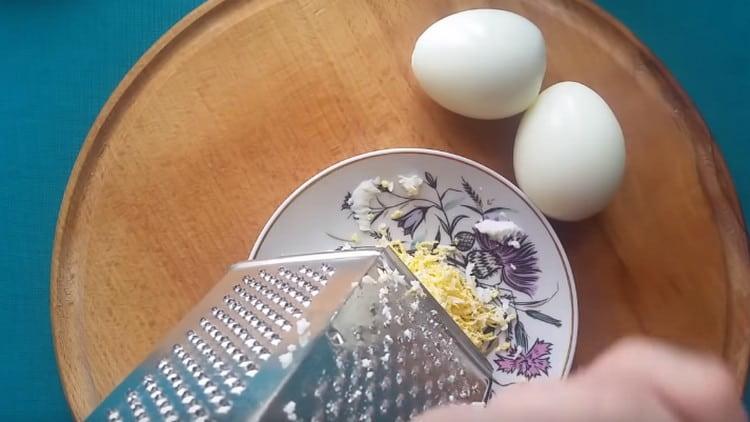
[569, 154]
[481, 63]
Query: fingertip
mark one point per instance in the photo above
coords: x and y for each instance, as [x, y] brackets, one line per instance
[720, 389]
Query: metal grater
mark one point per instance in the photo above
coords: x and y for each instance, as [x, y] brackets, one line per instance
[361, 350]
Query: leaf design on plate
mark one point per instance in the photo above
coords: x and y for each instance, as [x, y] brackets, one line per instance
[539, 302]
[519, 331]
[543, 317]
[444, 225]
[497, 209]
[453, 203]
[457, 219]
[472, 194]
[430, 180]
[346, 205]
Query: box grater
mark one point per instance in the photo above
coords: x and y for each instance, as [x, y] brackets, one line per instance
[347, 335]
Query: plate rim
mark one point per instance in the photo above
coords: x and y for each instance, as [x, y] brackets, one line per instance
[443, 154]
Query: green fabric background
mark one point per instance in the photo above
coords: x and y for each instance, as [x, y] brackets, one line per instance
[61, 59]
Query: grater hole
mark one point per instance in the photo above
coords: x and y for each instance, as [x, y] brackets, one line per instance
[326, 269]
[385, 406]
[161, 402]
[400, 377]
[157, 395]
[223, 406]
[215, 397]
[205, 350]
[198, 374]
[333, 408]
[224, 341]
[476, 386]
[400, 400]
[338, 384]
[235, 385]
[136, 406]
[370, 393]
[114, 416]
[264, 275]
[171, 375]
[237, 388]
[385, 384]
[243, 293]
[296, 295]
[231, 380]
[319, 278]
[210, 388]
[369, 414]
[428, 386]
[310, 285]
[267, 332]
[216, 362]
[198, 412]
[251, 282]
[265, 292]
[401, 358]
[355, 396]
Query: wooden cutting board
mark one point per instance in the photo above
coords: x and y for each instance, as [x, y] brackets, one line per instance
[243, 100]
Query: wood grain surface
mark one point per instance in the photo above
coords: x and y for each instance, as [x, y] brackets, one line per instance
[243, 100]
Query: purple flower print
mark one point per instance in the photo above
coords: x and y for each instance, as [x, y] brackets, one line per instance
[529, 364]
[516, 261]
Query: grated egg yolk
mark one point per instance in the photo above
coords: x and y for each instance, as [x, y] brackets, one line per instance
[482, 322]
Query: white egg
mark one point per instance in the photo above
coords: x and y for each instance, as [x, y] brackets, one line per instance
[482, 63]
[569, 155]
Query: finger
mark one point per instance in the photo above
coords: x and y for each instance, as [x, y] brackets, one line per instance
[558, 402]
[695, 386]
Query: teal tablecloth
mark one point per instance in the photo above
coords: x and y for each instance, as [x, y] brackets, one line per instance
[60, 60]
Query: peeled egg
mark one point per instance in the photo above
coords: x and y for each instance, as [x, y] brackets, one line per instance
[482, 63]
[569, 155]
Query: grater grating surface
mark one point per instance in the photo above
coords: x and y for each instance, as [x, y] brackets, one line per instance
[301, 338]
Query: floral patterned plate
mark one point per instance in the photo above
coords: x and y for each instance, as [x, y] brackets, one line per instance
[530, 270]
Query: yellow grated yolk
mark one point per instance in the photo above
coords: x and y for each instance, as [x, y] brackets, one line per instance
[482, 322]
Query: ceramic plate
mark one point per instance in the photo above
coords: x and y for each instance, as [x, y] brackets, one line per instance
[531, 270]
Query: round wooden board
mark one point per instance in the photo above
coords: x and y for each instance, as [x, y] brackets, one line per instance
[244, 100]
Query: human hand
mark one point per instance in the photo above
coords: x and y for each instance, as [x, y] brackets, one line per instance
[635, 380]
